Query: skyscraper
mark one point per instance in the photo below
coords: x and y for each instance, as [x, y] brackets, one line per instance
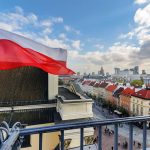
[102, 71]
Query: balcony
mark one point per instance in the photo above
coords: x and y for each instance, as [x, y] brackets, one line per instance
[15, 135]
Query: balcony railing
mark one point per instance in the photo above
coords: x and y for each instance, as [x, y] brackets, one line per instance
[82, 125]
[24, 103]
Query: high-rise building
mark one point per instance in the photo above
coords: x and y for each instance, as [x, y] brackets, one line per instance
[84, 74]
[117, 71]
[102, 71]
[93, 73]
[136, 70]
[143, 72]
[107, 74]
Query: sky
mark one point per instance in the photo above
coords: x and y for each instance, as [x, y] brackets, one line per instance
[96, 33]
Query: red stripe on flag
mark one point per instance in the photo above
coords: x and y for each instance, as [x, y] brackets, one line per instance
[13, 56]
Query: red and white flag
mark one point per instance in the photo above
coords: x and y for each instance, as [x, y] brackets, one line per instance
[18, 51]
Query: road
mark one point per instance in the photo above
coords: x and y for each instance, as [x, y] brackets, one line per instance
[101, 113]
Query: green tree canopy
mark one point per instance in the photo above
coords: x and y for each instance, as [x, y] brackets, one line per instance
[137, 83]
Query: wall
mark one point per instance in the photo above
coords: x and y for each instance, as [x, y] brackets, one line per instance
[142, 107]
[75, 110]
[125, 102]
[52, 86]
[50, 140]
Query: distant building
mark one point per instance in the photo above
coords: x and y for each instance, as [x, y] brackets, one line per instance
[102, 91]
[116, 95]
[84, 73]
[147, 83]
[127, 74]
[93, 73]
[136, 70]
[78, 73]
[140, 103]
[109, 92]
[102, 71]
[107, 74]
[125, 98]
[117, 71]
[143, 72]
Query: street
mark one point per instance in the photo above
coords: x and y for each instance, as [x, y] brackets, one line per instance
[102, 113]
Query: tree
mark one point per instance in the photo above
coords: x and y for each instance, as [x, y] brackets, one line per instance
[137, 83]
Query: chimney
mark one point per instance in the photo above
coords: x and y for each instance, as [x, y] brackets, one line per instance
[52, 86]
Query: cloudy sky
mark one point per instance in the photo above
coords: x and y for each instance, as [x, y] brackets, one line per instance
[96, 33]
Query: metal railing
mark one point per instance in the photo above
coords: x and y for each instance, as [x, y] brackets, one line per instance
[24, 103]
[99, 124]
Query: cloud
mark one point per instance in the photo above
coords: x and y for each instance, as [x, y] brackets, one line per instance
[71, 29]
[141, 1]
[116, 55]
[76, 44]
[99, 46]
[144, 52]
[63, 36]
[141, 32]
[57, 19]
[17, 19]
[29, 25]
[142, 16]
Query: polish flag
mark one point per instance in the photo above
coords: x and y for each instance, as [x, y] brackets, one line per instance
[18, 51]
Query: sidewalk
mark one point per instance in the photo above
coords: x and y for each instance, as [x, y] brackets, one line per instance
[122, 131]
[108, 142]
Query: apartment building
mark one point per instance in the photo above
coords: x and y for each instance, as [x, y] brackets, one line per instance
[101, 89]
[109, 92]
[116, 96]
[96, 89]
[125, 98]
[140, 102]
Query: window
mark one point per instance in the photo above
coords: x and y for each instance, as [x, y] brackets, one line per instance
[141, 111]
[26, 141]
[133, 108]
[137, 109]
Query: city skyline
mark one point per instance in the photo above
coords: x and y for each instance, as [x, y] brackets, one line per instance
[117, 37]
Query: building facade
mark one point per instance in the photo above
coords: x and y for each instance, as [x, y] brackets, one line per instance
[140, 103]
[125, 99]
[109, 93]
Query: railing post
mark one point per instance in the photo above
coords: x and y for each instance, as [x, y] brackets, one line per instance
[62, 139]
[40, 141]
[99, 138]
[130, 136]
[116, 137]
[144, 135]
[81, 138]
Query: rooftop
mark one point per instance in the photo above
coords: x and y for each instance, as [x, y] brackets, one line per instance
[128, 91]
[111, 88]
[66, 94]
[118, 91]
[80, 91]
[92, 83]
[103, 85]
[143, 93]
[97, 84]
